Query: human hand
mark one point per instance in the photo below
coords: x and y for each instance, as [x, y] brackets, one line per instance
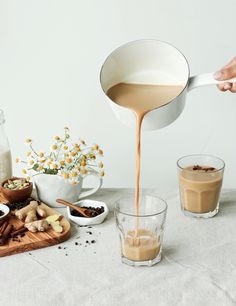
[226, 73]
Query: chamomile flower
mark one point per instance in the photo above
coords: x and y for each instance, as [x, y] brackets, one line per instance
[73, 153]
[74, 173]
[24, 171]
[54, 147]
[83, 163]
[100, 152]
[102, 173]
[69, 160]
[41, 154]
[57, 138]
[95, 147]
[48, 162]
[65, 148]
[84, 171]
[77, 147]
[40, 169]
[55, 165]
[28, 142]
[31, 162]
[66, 175]
[62, 162]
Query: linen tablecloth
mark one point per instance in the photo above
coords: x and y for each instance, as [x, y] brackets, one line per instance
[198, 265]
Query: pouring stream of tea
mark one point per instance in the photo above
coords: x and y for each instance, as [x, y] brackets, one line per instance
[141, 99]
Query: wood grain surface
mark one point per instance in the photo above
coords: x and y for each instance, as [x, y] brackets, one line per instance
[32, 241]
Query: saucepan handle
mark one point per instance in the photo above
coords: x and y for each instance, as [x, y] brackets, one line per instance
[205, 79]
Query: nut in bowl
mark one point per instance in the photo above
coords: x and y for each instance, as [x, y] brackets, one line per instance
[97, 208]
[16, 189]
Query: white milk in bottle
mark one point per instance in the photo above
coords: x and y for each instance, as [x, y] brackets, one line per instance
[5, 153]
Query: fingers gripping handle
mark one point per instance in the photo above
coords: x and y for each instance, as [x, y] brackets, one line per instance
[205, 79]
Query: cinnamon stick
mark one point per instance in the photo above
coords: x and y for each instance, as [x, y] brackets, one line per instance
[3, 228]
[6, 234]
[19, 231]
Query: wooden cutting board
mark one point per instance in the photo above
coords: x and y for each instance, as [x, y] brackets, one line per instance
[32, 241]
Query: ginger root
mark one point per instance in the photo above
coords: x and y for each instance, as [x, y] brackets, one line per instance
[22, 213]
[54, 221]
[41, 212]
[56, 226]
[37, 226]
[29, 212]
[31, 216]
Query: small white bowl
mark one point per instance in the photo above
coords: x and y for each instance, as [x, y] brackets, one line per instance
[4, 208]
[89, 221]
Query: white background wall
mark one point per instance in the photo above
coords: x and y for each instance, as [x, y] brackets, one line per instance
[50, 56]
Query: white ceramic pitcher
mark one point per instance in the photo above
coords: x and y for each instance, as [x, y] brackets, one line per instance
[151, 62]
[51, 187]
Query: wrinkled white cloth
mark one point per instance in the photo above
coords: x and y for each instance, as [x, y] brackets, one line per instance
[198, 265]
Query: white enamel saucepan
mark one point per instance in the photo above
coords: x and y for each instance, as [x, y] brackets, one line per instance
[151, 62]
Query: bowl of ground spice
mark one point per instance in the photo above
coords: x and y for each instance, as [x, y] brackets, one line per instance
[96, 211]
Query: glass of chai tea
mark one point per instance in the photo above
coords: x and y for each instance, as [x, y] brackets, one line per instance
[200, 181]
[141, 234]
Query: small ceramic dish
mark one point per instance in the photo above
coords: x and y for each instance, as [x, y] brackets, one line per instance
[89, 221]
[16, 195]
[5, 209]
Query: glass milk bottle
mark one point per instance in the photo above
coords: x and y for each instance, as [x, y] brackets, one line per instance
[5, 153]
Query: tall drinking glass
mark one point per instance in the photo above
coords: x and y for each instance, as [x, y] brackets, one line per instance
[200, 181]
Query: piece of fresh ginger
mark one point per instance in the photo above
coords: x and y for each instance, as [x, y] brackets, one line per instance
[37, 226]
[29, 212]
[41, 212]
[22, 213]
[56, 226]
[31, 216]
[54, 222]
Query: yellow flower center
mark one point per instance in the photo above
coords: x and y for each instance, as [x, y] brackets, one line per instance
[54, 147]
[66, 175]
[84, 171]
[41, 154]
[62, 162]
[31, 162]
[65, 147]
[73, 174]
[69, 160]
